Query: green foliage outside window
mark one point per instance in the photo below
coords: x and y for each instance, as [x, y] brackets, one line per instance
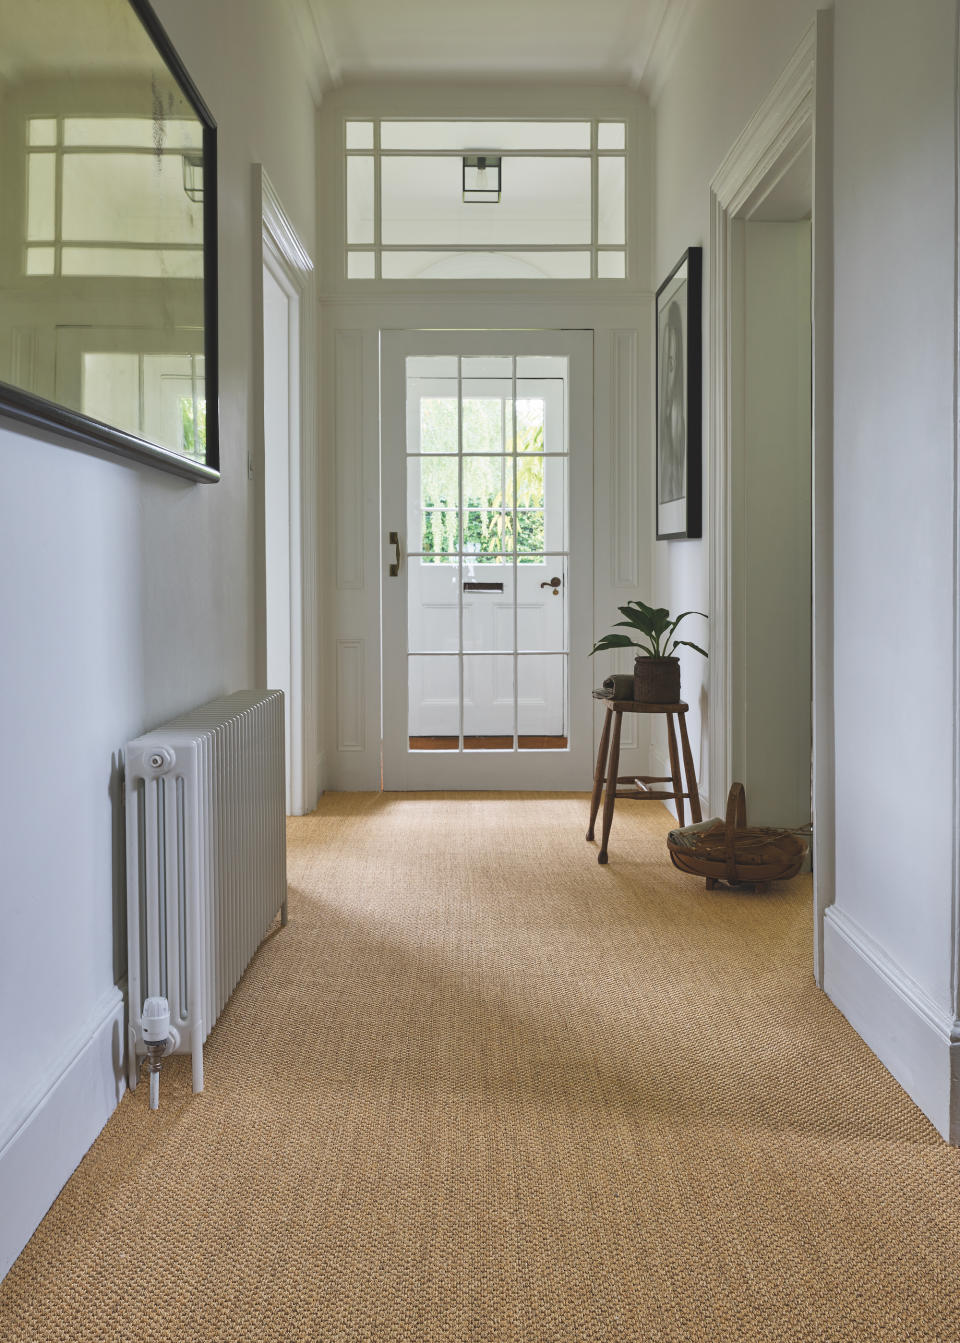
[193, 428]
[488, 481]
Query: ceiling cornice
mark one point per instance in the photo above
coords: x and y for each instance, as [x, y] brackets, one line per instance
[673, 26]
[318, 53]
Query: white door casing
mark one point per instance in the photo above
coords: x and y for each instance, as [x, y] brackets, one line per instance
[287, 524]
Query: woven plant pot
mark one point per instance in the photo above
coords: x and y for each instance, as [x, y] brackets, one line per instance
[656, 680]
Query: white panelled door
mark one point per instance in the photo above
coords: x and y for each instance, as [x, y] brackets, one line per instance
[487, 577]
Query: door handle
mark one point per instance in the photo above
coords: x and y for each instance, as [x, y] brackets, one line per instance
[395, 567]
[553, 583]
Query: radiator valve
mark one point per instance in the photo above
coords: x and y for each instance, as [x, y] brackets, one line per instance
[155, 1024]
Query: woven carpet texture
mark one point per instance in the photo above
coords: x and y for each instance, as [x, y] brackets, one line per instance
[482, 1088]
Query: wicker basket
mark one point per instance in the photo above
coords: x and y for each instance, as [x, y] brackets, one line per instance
[656, 680]
[734, 852]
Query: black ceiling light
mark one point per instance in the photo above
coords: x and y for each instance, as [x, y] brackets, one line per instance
[481, 179]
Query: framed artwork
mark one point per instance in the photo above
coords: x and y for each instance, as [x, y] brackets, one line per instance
[679, 468]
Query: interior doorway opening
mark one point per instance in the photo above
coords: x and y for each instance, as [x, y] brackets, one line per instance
[779, 172]
[771, 731]
[287, 579]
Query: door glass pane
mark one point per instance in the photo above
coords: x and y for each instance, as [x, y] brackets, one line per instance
[488, 702]
[488, 611]
[433, 607]
[488, 505]
[542, 605]
[433, 714]
[541, 702]
[435, 428]
[531, 415]
[485, 407]
[491, 366]
[432, 498]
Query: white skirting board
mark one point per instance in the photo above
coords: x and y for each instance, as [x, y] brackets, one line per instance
[911, 1036]
[49, 1143]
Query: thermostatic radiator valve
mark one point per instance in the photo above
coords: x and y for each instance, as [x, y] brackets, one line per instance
[155, 1024]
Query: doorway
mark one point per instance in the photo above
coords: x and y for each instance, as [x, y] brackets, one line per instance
[486, 480]
[287, 582]
[778, 173]
[771, 737]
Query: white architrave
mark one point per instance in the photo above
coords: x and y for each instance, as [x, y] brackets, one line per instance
[785, 126]
[279, 247]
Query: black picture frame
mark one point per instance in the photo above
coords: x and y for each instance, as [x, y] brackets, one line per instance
[678, 499]
[43, 414]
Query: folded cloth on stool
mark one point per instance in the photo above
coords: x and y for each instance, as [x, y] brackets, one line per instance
[617, 687]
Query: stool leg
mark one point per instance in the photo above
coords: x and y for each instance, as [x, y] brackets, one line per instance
[600, 772]
[695, 813]
[610, 796]
[675, 768]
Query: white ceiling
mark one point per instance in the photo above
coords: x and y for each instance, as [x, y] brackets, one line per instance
[606, 41]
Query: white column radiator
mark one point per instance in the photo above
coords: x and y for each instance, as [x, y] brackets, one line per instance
[206, 862]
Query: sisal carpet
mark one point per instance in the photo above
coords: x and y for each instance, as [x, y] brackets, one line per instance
[483, 1089]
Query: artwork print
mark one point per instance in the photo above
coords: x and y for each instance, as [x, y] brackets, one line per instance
[678, 400]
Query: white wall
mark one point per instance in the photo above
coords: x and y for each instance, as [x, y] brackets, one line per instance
[125, 596]
[895, 285]
[890, 957]
[728, 59]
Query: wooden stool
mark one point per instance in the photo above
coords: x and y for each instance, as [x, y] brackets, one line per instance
[606, 771]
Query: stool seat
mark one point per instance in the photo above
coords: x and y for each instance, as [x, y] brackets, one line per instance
[608, 762]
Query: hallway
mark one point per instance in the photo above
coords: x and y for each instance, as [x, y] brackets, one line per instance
[483, 1089]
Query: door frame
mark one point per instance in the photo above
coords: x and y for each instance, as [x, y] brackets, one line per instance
[401, 769]
[795, 118]
[278, 247]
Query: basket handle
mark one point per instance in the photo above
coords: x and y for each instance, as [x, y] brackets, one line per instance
[736, 820]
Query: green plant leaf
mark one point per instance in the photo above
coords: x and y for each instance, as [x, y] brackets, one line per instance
[639, 620]
[687, 644]
[613, 641]
[682, 616]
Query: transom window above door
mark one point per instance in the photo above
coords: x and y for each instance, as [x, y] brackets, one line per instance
[469, 200]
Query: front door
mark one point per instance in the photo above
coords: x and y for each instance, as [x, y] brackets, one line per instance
[487, 502]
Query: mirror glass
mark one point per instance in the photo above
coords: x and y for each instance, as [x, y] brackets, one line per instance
[108, 170]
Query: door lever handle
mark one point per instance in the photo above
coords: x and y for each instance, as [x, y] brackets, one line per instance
[552, 583]
[395, 567]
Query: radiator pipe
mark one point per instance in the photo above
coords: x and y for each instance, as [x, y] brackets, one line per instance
[155, 1024]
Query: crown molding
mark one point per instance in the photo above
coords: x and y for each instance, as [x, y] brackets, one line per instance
[674, 21]
[319, 58]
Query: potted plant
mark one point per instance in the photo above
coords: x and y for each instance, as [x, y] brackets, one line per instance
[656, 671]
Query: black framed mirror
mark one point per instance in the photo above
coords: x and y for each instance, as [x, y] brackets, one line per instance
[108, 234]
